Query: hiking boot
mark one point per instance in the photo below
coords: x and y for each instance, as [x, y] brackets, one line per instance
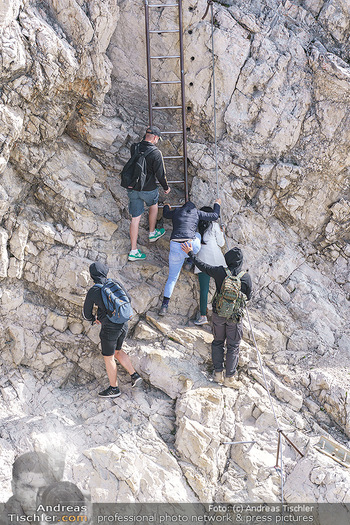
[111, 391]
[202, 319]
[218, 377]
[135, 379]
[139, 256]
[231, 382]
[156, 235]
[163, 310]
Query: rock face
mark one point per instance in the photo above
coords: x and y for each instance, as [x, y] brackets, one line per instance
[73, 97]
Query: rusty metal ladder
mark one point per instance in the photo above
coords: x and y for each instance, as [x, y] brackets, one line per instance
[151, 5]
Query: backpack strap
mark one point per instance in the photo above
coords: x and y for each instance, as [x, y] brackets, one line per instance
[136, 151]
[100, 286]
[149, 150]
[229, 273]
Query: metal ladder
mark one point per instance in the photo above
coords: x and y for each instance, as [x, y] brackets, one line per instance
[151, 6]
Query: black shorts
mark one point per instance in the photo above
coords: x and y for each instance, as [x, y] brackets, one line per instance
[112, 336]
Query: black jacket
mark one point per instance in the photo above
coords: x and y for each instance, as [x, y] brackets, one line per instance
[186, 219]
[234, 261]
[155, 167]
[98, 272]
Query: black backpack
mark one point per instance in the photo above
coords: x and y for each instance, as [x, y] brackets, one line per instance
[133, 175]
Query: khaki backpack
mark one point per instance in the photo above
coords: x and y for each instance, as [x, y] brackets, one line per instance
[230, 301]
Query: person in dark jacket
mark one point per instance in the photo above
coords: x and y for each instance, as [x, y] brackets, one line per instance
[149, 194]
[112, 335]
[185, 222]
[230, 330]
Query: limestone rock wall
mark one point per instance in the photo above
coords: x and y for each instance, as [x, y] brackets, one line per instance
[73, 98]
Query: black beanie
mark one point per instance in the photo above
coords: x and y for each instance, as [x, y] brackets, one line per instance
[234, 260]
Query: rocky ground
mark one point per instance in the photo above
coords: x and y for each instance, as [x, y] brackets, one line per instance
[73, 98]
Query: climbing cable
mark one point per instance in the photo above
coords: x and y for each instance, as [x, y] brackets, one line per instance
[282, 474]
[279, 445]
[262, 368]
[279, 458]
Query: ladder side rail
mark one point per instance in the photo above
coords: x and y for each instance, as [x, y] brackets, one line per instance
[149, 70]
[183, 101]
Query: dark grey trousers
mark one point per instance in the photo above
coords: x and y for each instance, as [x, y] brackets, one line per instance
[225, 329]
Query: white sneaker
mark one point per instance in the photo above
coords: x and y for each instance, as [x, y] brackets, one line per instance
[156, 235]
[138, 256]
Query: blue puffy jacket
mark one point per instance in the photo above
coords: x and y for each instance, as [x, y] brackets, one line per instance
[186, 219]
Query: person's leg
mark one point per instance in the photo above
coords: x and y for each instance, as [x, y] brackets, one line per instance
[151, 199]
[134, 231]
[120, 355]
[125, 361]
[234, 334]
[217, 346]
[108, 346]
[176, 260]
[111, 369]
[136, 209]
[152, 217]
[204, 280]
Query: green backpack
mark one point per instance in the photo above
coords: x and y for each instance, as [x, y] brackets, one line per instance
[230, 301]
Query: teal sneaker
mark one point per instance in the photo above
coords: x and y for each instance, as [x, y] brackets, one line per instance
[156, 235]
[139, 256]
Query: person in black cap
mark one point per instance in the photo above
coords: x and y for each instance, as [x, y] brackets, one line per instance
[149, 194]
[112, 335]
[229, 329]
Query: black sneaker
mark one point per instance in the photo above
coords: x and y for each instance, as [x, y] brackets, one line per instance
[111, 391]
[135, 379]
[163, 310]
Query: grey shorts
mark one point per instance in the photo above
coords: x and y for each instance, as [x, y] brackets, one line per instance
[137, 200]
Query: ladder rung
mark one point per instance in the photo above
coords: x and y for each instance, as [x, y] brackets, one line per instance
[163, 5]
[167, 107]
[172, 132]
[174, 157]
[165, 31]
[173, 205]
[166, 82]
[168, 56]
[173, 182]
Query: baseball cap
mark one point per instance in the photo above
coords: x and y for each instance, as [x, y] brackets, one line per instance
[153, 130]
